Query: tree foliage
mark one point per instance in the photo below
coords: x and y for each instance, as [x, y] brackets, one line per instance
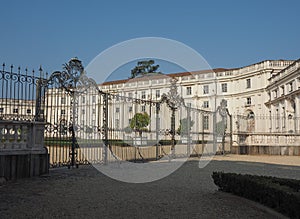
[139, 122]
[144, 67]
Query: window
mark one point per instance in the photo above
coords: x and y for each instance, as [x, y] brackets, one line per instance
[205, 89]
[283, 117]
[224, 88]
[205, 104]
[93, 99]
[248, 101]
[189, 105]
[129, 94]
[205, 122]
[63, 127]
[1, 110]
[143, 108]
[28, 111]
[83, 111]
[130, 109]
[94, 111]
[143, 94]
[63, 112]
[129, 121]
[188, 90]
[275, 93]
[117, 98]
[157, 93]
[248, 83]
[117, 123]
[83, 100]
[63, 100]
[117, 110]
[282, 91]
[15, 110]
[277, 118]
[291, 86]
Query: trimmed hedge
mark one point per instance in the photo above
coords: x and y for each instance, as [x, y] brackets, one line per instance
[283, 195]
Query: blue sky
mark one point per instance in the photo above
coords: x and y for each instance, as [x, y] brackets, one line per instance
[226, 33]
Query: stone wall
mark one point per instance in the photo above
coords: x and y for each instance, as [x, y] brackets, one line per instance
[266, 150]
[267, 144]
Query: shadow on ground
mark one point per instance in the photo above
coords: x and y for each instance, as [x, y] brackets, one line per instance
[187, 193]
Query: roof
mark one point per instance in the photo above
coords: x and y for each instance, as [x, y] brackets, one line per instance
[182, 74]
[173, 75]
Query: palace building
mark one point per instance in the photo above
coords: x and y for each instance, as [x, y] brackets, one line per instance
[263, 99]
[283, 103]
[249, 91]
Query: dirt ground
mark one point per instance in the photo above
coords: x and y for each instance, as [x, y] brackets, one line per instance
[187, 193]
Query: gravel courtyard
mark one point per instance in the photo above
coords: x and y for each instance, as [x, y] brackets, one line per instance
[187, 193]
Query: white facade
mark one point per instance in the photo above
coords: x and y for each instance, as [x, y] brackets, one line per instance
[14, 109]
[284, 99]
[244, 89]
[269, 89]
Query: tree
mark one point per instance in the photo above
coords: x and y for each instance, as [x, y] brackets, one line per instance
[144, 67]
[183, 126]
[139, 122]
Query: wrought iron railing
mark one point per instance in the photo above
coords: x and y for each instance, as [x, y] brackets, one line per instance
[19, 94]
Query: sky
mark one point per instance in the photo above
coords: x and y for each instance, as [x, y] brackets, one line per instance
[227, 34]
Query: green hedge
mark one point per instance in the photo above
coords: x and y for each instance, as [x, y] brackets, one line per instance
[283, 195]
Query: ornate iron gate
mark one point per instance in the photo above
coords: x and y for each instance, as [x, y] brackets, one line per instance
[67, 92]
[89, 125]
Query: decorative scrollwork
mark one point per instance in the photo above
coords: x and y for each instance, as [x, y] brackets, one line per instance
[173, 98]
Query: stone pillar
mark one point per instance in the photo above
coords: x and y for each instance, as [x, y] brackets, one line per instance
[36, 137]
[23, 153]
